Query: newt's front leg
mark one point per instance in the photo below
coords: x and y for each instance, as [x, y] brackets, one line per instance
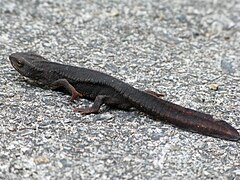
[64, 83]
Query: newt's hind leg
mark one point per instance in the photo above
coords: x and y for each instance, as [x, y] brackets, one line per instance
[98, 102]
[64, 83]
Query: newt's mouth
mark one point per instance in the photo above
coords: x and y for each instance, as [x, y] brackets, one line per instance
[12, 60]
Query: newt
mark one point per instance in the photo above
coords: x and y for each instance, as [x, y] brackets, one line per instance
[105, 89]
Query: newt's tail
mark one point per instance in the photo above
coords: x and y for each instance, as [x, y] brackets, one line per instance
[186, 118]
[201, 123]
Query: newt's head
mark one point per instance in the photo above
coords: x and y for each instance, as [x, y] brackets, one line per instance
[27, 64]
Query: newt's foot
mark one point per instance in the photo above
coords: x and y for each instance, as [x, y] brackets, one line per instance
[75, 95]
[155, 94]
[86, 111]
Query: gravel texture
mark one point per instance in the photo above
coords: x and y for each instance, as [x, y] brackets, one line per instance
[188, 50]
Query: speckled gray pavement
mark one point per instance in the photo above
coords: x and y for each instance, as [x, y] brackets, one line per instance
[188, 50]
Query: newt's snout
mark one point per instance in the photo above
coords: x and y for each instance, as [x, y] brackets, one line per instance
[16, 60]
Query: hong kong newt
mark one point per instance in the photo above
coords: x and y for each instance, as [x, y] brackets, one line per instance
[105, 89]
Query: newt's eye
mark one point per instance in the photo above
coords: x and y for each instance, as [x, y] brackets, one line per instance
[19, 63]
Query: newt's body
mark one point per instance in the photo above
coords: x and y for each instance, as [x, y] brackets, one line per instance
[105, 89]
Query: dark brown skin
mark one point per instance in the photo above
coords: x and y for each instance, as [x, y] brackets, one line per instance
[105, 89]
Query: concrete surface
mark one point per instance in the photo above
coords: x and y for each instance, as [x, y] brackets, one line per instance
[188, 50]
